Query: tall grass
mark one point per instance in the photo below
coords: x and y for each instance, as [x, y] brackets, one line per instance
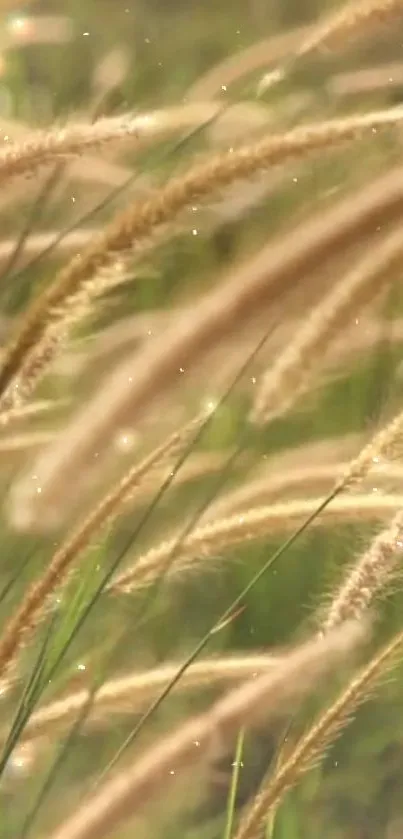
[201, 420]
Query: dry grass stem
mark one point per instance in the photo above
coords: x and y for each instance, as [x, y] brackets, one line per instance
[211, 539]
[145, 216]
[382, 445]
[283, 382]
[28, 614]
[128, 694]
[350, 19]
[299, 480]
[369, 576]
[313, 745]
[353, 19]
[249, 704]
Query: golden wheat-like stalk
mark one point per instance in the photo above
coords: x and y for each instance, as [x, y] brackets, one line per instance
[258, 699]
[39, 148]
[354, 18]
[283, 382]
[128, 694]
[370, 574]
[28, 614]
[19, 158]
[382, 445]
[252, 524]
[367, 579]
[91, 169]
[145, 216]
[313, 745]
[300, 480]
[350, 19]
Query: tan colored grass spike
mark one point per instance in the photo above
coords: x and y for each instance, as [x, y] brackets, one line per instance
[301, 480]
[210, 539]
[92, 169]
[312, 746]
[163, 206]
[125, 794]
[28, 614]
[352, 19]
[75, 138]
[287, 375]
[43, 147]
[382, 444]
[370, 574]
[284, 470]
[129, 693]
[262, 281]
[275, 486]
[368, 577]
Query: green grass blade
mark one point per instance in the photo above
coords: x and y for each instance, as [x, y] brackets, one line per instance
[236, 767]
